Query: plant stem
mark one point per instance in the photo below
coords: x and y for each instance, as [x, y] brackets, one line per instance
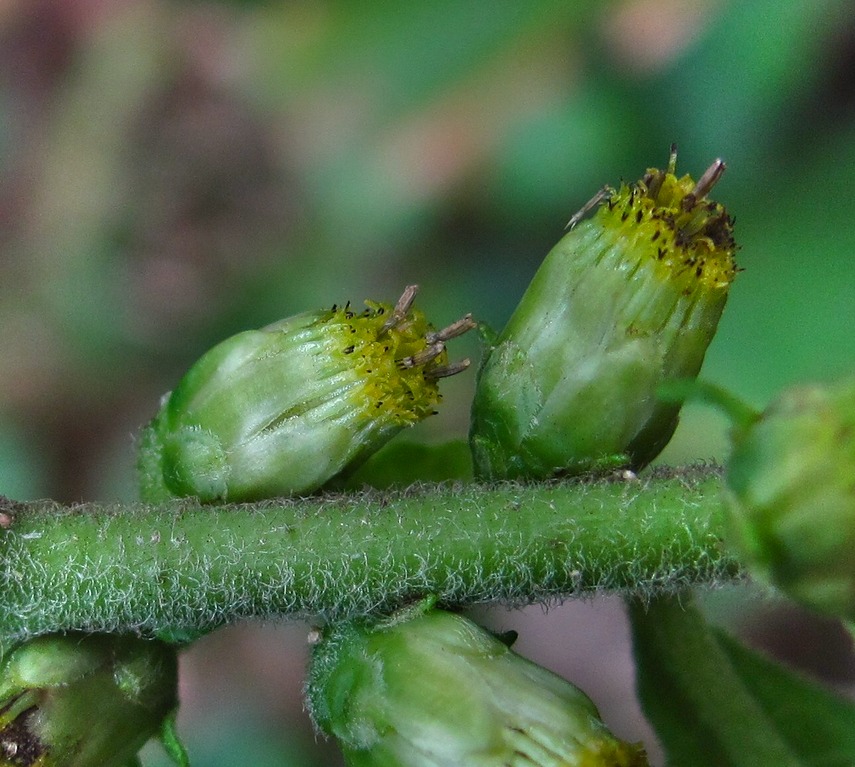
[182, 566]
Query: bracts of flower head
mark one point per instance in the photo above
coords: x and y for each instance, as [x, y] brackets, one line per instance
[429, 688]
[630, 298]
[86, 700]
[791, 492]
[281, 410]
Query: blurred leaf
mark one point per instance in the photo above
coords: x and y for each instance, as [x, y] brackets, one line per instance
[400, 464]
[816, 723]
[789, 317]
[716, 704]
[23, 470]
[734, 90]
[562, 154]
[401, 55]
[239, 737]
[388, 77]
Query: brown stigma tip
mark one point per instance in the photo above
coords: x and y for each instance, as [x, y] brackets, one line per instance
[435, 345]
[455, 329]
[451, 369]
[709, 179]
[672, 159]
[399, 313]
[602, 195]
[430, 352]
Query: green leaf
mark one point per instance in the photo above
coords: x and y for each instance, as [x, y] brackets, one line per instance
[705, 713]
[715, 702]
[817, 724]
[402, 463]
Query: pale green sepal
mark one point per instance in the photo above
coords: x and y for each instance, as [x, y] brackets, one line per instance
[172, 742]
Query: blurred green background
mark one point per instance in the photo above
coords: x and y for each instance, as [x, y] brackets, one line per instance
[171, 173]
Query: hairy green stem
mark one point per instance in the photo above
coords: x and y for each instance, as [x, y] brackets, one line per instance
[182, 566]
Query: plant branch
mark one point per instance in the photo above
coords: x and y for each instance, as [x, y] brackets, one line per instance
[182, 566]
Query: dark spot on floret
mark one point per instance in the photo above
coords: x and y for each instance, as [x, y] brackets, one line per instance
[18, 745]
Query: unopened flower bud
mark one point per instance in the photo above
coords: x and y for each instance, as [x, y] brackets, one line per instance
[436, 690]
[628, 299]
[791, 485]
[79, 700]
[281, 410]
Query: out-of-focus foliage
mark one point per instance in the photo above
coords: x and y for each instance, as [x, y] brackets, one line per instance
[715, 702]
[171, 173]
[175, 172]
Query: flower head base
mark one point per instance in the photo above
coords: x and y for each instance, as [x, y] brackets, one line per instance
[281, 410]
[629, 299]
[83, 701]
[791, 483]
[436, 690]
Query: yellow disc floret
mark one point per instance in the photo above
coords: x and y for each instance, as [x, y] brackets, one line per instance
[670, 221]
[398, 356]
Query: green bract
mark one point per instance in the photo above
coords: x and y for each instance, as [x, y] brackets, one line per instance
[281, 410]
[791, 483]
[436, 690]
[628, 299]
[83, 700]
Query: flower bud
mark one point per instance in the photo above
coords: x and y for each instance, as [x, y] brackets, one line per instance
[436, 690]
[628, 299]
[79, 700]
[281, 410]
[791, 486]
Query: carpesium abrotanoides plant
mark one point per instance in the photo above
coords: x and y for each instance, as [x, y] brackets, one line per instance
[628, 301]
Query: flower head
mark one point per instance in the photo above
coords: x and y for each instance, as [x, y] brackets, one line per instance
[281, 410]
[791, 486]
[433, 689]
[629, 299]
[78, 700]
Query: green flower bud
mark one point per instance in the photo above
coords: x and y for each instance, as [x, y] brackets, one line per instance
[79, 700]
[436, 690]
[281, 410]
[791, 485]
[628, 299]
